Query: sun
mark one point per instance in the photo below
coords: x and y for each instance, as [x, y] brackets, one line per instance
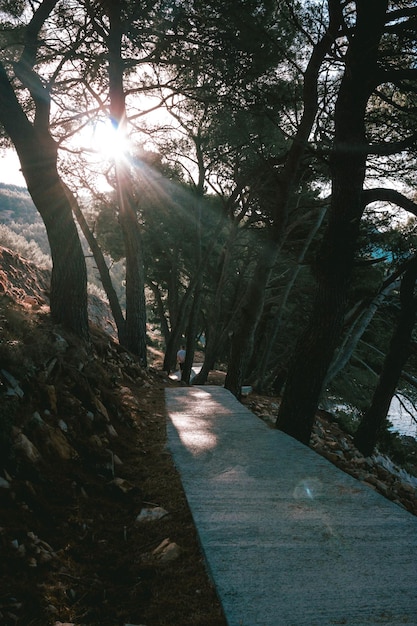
[110, 142]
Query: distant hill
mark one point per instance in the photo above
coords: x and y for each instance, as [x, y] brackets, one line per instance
[16, 205]
[23, 231]
[21, 226]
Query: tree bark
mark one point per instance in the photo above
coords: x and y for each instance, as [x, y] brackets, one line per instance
[37, 152]
[400, 347]
[135, 335]
[315, 349]
[105, 277]
[275, 326]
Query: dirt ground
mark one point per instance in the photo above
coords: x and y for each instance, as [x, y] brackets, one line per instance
[72, 551]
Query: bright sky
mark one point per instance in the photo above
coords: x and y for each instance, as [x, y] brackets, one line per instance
[10, 169]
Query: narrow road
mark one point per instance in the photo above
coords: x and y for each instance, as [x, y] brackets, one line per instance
[289, 539]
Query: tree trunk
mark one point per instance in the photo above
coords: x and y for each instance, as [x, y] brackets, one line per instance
[191, 334]
[275, 326]
[400, 346]
[135, 336]
[216, 329]
[178, 329]
[161, 310]
[355, 333]
[37, 152]
[242, 342]
[68, 298]
[102, 268]
[317, 344]
[243, 337]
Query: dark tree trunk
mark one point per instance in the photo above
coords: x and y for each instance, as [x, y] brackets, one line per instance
[135, 335]
[216, 331]
[273, 328]
[68, 297]
[37, 153]
[400, 347]
[102, 268]
[177, 330]
[316, 346]
[135, 290]
[161, 310]
[191, 334]
[243, 337]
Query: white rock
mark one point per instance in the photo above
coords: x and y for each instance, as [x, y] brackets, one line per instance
[151, 514]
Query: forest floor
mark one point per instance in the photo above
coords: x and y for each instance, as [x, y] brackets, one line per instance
[83, 458]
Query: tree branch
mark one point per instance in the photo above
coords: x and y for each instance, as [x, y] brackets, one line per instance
[380, 194]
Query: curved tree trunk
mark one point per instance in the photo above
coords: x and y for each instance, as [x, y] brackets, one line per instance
[367, 434]
[37, 153]
[317, 344]
[217, 331]
[68, 297]
[161, 310]
[191, 335]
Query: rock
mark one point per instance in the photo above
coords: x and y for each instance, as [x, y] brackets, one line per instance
[112, 431]
[26, 448]
[51, 391]
[50, 366]
[13, 387]
[167, 551]
[4, 484]
[151, 514]
[101, 408]
[122, 485]
[50, 440]
[63, 426]
[96, 441]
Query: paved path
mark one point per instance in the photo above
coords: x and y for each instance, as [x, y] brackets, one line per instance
[289, 539]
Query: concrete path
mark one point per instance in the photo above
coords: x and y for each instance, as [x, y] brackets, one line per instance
[289, 539]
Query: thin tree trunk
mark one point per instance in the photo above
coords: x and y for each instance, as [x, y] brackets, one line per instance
[242, 342]
[359, 327]
[216, 330]
[105, 277]
[161, 310]
[276, 323]
[135, 336]
[400, 347]
[243, 337]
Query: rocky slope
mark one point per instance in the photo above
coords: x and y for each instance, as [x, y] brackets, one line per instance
[94, 526]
